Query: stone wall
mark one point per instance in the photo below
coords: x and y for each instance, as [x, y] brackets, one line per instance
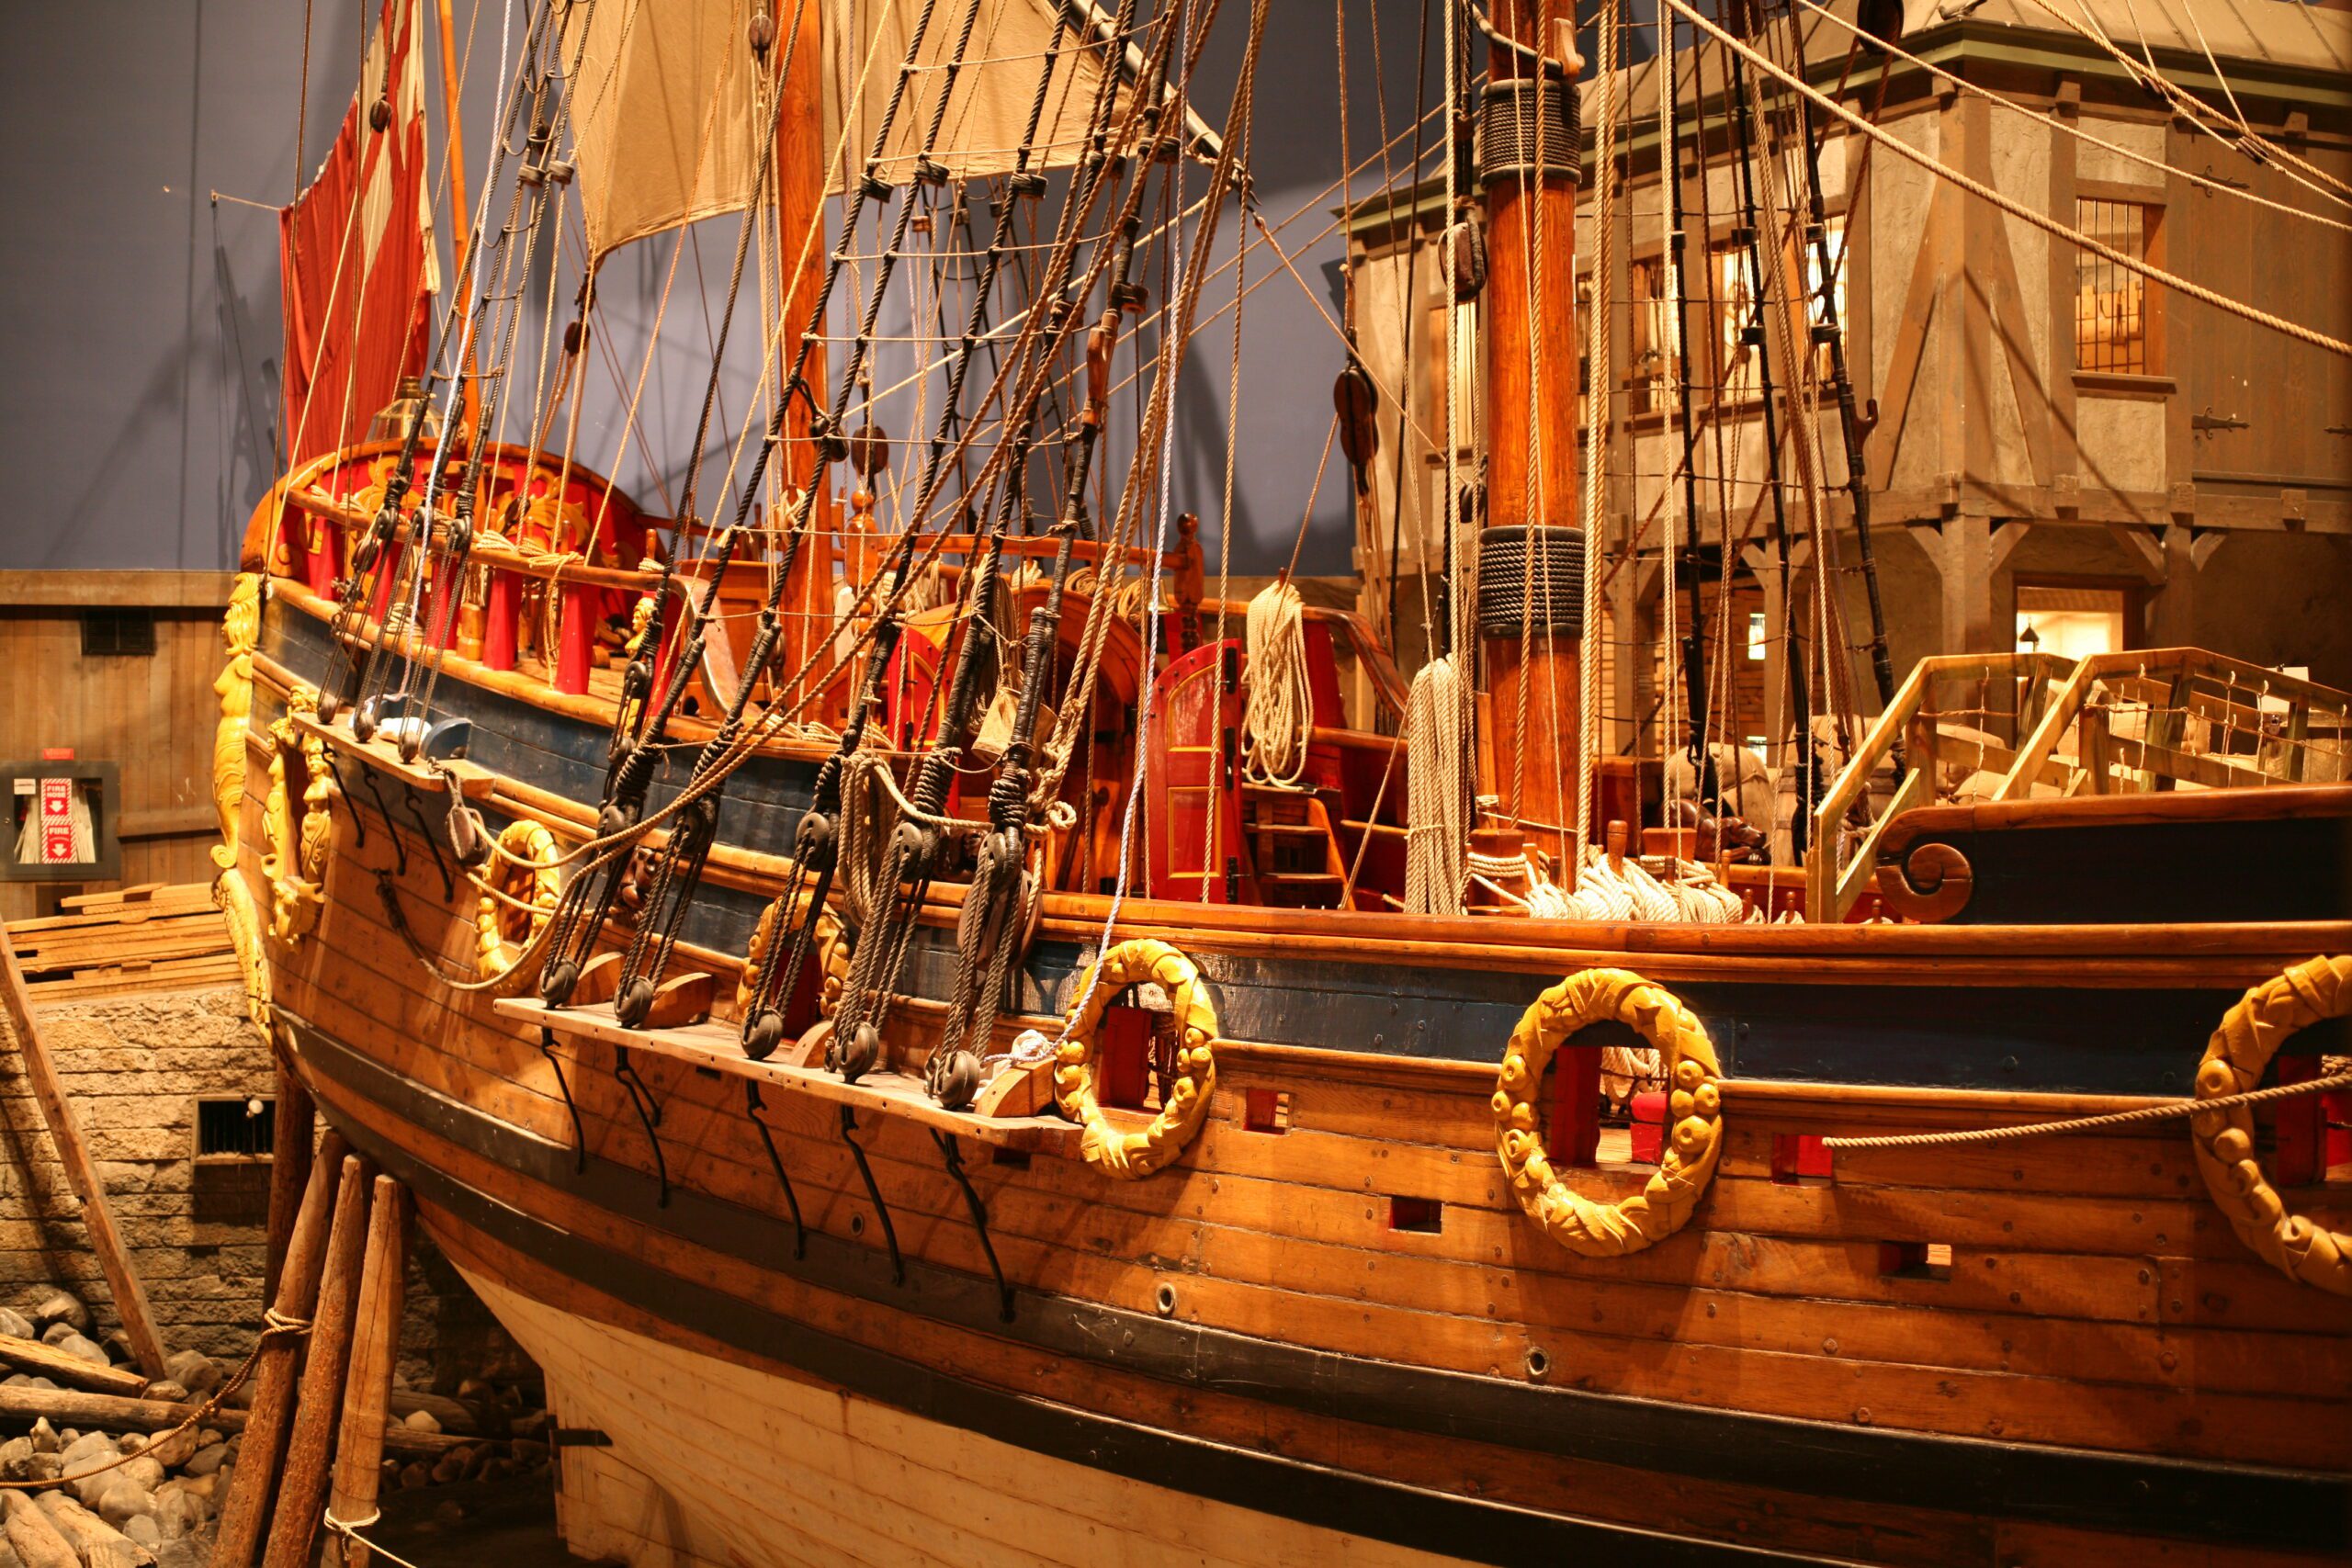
[133, 1068]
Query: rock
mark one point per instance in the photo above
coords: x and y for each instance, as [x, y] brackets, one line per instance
[76, 1345]
[144, 1471]
[205, 1460]
[117, 1347]
[416, 1473]
[17, 1324]
[194, 1370]
[58, 1333]
[167, 1391]
[16, 1380]
[497, 1469]
[132, 1442]
[173, 1449]
[58, 1307]
[123, 1500]
[142, 1529]
[45, 1467]
[44, 1436]
[240, 1397]
[448, 1515]
[532, 1424]
[183, 1553]
[527, 1453]
[83, 1447]
[40, 1383]
[177, 1515]
[451, 1466]
[421, 1421]
[17, 1459]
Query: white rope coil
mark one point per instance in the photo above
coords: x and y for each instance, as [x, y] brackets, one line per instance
[1281, 712]
[1437, 789]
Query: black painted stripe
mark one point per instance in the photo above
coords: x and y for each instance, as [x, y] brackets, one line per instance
[2078, 1487]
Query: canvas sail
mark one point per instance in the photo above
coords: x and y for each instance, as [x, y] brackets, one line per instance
[355, 252]
[669, 109]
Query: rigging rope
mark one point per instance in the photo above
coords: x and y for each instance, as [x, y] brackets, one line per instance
[2169, 1111]
[2015, 209]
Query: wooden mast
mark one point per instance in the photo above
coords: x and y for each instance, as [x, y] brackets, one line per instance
[459, 225]
[799, 227]
[1528, 175]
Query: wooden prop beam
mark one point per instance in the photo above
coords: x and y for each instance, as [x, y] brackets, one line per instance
[376, 1346]
[273, 1375]
[61, 1366]
[294, 1524]
[130, 1297]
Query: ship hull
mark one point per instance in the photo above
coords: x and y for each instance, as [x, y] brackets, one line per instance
[1258, 1355]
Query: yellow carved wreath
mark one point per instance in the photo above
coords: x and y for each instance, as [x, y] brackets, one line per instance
[520, 887]
[832, 954]
[2250, 1034]
[297, 837]
[1695, 1137]
[1129, 1155]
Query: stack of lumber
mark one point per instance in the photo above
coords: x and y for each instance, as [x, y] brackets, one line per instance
[153, 937]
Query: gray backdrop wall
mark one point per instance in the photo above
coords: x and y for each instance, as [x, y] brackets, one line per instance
[138, 351]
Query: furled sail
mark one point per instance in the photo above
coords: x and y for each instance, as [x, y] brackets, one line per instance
[669, 109]
[355, 251]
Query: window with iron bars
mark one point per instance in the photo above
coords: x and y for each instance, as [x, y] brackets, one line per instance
[2116, 315]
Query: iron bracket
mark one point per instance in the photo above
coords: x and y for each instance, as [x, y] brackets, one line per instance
[440, 861]
[873, 1191]
[563, 1087]
[358, 817]
[399, 849]
[952, 1157]
[649, 1116]
[752, 1105]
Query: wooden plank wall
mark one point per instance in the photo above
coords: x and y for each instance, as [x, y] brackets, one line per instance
[153, 715]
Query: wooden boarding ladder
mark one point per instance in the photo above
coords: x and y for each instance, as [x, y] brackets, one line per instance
[1917, 719]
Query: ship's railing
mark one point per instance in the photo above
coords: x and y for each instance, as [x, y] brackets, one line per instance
[1962, 708]
[2183, 718]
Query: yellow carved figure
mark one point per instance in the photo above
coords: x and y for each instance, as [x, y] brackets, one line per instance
[299, 839]
[2241, 1048]
[240, 630]
[520, 890]
[832, 953]
[1130, 1156]
[1694, 1120]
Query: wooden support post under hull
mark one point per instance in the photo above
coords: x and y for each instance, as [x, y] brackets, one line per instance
[274, 1374]
[375, 1348]
[294, 1523]
[294, 1129]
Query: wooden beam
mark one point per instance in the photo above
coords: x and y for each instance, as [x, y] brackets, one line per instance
[115, 589]
[130, 1297]
[2147, 556]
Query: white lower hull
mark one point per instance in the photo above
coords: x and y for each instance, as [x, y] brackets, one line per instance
[717, 1465]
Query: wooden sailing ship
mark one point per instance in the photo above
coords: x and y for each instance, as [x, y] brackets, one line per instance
[945, 1036]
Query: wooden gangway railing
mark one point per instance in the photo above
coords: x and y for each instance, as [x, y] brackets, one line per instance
[2204, 720]
[1914, 722]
